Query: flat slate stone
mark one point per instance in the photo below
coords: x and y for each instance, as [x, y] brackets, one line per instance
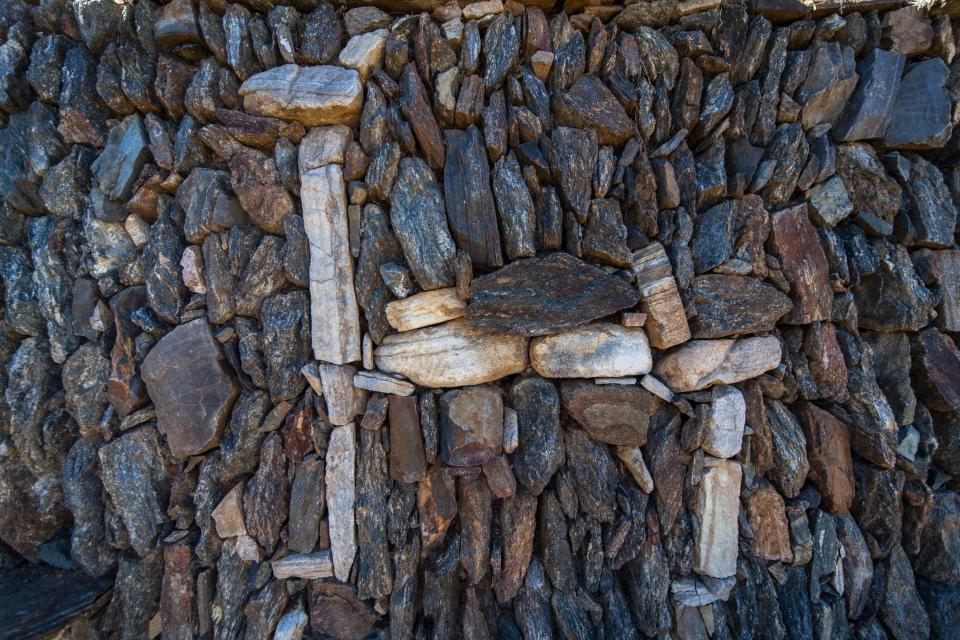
[544, 295]
[312, 95]
[867, 115]
[921, 114]
[192, 387]
[699, 364]
[470, 207]
[614, 414]
[589, 104]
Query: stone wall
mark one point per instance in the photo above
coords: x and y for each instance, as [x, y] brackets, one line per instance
[491, 321]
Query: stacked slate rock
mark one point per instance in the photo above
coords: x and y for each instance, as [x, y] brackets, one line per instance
[488, 320]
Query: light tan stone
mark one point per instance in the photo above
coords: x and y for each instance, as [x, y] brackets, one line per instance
[322, 146]
[191, 265]
[364, 52]
[382, 383]
[314, 95]
[452, 354]
[335, 317]
[477, 10]
[447, 87]
[725, 419]
[541, 62]
[341, 496]
[425, 309]
[343, 403]
[666, 322]
[699, 364]
[228, 515]
[595, 350]
[717, 506]
[632, 459]
[309, 566]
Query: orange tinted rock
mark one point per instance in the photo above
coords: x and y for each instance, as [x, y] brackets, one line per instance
[794, 241]
[768, 519]
[828, 452]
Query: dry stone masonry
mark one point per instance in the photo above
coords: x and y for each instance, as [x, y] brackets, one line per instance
[519, 319]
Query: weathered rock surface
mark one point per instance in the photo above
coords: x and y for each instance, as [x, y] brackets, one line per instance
[717, 505]
[701, 363]
[545, 295]
[192, 388]
[597, 350]
[729, 305]
[451, 354]
[614, 414]
[312, 95]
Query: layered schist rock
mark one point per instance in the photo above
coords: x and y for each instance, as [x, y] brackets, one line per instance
[597, 350]
[666, 319]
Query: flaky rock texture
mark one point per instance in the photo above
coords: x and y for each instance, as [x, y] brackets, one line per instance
[420, 319]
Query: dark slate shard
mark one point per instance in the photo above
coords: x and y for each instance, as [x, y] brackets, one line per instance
[29, 146]
[790, 464]
[572, 158]
[786, 154]
[830, 81]
[716, 103]
[939, 553]
[647, 578]
[136, 593]
[285, 340]
[764, 126]
[83, 117]
[893, 297]
[266, 499]
[125, 386]
[260, 277]
[594, 474]
[256, 181]
[942, 602]
[495, 126]
[221, 304]
[605, 239]
[573, 620]
[588, 104]
[191, 386]
[84, 378]
[870, 188]
[52, 285]
[518, 218]
[795, 606]
[901, 609]
[83, 495]
[553, 544]
[234, 585]
[418, 218]
[714, 236]
[711, 175]
[540, 450]
[21, 309]
[31, 385]
[877, 507]
[374, 572]
[867, 115]
[470, 206]
[544, 295]
[747, 55]
[46, 66]
[161, 262]
[296, 256]
[378, 247]
[930, 219]
[475, 507]
[667, 463]
[264, 608]
[734, 305]
[921, 116]
[501, 44]
[934, 371]
[209, 204]
[307, 504]
[415, 106]
[135, 477]
[66, 185]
